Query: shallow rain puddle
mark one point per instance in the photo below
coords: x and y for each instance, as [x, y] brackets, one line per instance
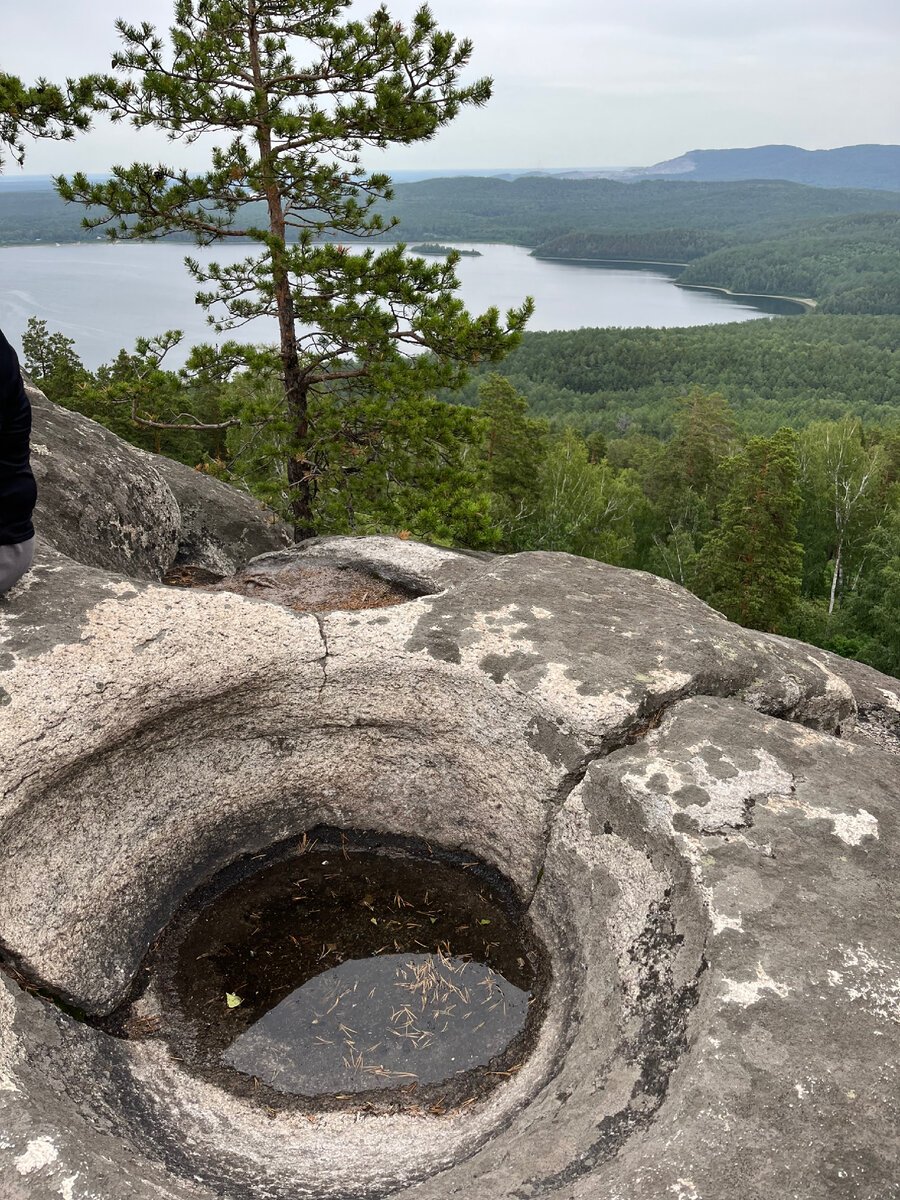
[345, 969]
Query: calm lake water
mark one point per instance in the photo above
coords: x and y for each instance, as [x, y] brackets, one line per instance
[105, 296]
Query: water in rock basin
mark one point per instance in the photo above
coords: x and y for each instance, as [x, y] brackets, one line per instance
[346, 969]
[374, 1022]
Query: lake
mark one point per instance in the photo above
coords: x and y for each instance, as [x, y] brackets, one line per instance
[105, 296]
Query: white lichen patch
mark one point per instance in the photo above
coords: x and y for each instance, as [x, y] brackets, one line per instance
[748, 992]
[657, 782]
[39, 1153]
[892, 698]
[729, 791]
[670, 683]
[588, 714]
[872, 983]
[639, 885]
[684, 1189]
[67, 1187]
[850, 828]
[506, 623]
[720, 922]
[7, 1040]
[729, 798]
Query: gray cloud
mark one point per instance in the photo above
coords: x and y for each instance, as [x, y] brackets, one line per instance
[577, 83]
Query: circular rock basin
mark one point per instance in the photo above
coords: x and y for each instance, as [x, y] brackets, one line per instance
[347, 967]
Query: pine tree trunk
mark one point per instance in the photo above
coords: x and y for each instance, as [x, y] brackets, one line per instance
[299, 468]
[300, 474]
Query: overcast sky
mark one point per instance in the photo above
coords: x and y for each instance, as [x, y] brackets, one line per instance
[578, 83]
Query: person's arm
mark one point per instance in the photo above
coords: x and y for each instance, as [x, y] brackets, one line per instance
[18, 493]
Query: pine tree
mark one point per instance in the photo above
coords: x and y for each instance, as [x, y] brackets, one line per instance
[750, 566]
[42, 110]
[705, 434]
[50, 359]
[685, 482]
[357, 330]
[514, 448]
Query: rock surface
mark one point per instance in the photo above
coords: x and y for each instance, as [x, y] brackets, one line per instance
[702, 820]
[108, 504]
[220, 527]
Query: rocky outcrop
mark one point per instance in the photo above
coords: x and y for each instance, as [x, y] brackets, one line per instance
[220, 528]
[701, 820]
[107, 504]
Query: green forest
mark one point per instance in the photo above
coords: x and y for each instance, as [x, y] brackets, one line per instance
[534, 210]
[756, 464]
[792, 371]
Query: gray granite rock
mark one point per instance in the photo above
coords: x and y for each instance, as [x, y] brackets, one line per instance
[108, 504]
[100, 501]
[701, 826]
[220, 527]
[344, 573]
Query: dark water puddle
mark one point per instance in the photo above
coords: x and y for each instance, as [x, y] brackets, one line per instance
[347, 968]
[374, 1022]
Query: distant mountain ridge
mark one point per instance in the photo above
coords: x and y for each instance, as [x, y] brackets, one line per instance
[872, 167]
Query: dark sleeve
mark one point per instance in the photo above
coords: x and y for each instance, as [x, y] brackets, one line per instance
[18, 493]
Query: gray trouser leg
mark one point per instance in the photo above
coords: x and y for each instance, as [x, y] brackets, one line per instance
[14, 562]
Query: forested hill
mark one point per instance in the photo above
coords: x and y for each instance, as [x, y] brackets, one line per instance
[840, 247]
[851, 265]
[848, 264]
[533, 210]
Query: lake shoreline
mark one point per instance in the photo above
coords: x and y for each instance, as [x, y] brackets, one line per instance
[607, 262]
[104, 295]
[806, 304]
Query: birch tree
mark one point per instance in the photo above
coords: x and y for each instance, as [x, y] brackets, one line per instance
[840, 477]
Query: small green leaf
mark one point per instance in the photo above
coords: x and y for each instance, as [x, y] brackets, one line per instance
[484, 921]
[232, 1000]
[373, 920]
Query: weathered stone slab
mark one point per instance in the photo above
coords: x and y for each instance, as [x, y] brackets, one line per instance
[220, 528]
[708, 856]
